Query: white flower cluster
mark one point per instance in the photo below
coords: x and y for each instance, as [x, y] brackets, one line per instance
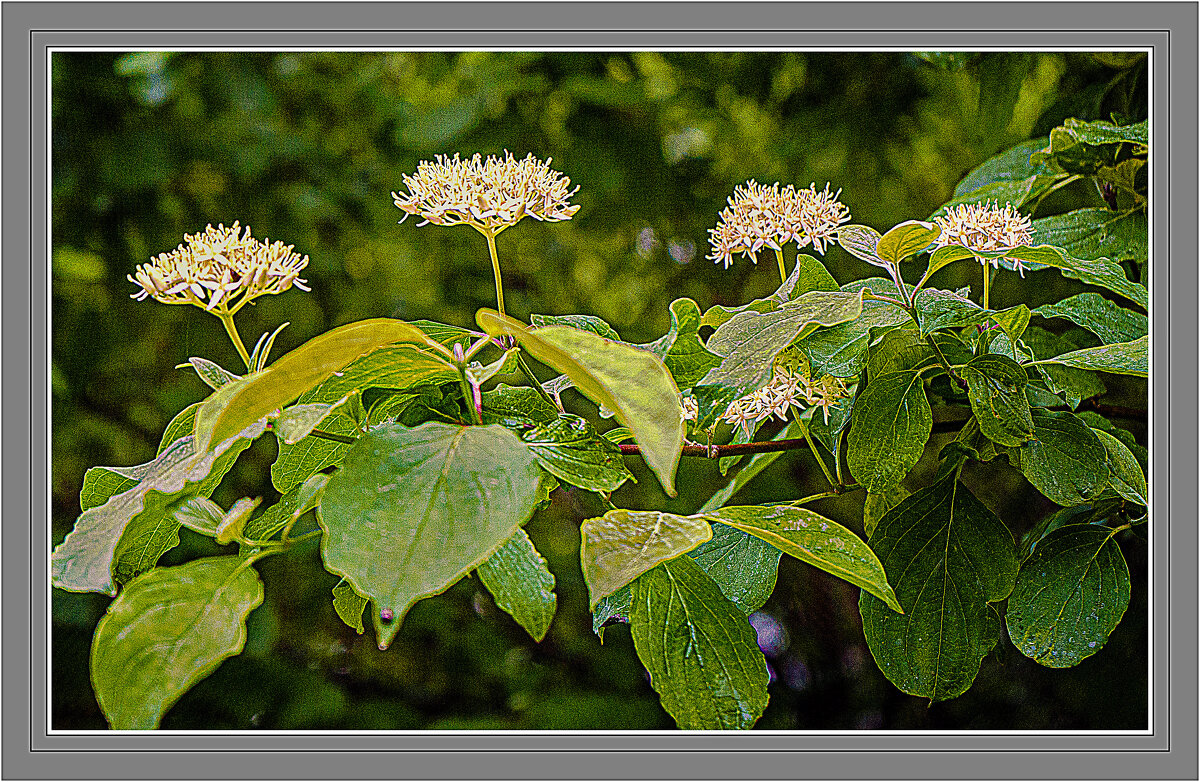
[760, 216]
[489, 195]
[786, 390]
[985, 228]
[220, 270]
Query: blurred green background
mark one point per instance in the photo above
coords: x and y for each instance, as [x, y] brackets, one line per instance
[306, 148]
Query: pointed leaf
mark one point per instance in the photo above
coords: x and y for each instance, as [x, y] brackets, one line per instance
[522, 585]
[1125, 474]
[349, 605]
[996, 388]
[1121, 358]
[680, 348]
[700, 650]
[1101, 272]
[1070, 595]
[809, 274]
[1108, 321]
[298, 371]
[413, 510]
[213, 375]
[861, 241]
[167, 630]
[892, 422]
[743, 566]
[944, 256]
[633, 383]
[812, 538]
[619, 546]
[947, 557]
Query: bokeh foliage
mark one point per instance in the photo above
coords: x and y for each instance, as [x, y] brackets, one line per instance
[306, 147]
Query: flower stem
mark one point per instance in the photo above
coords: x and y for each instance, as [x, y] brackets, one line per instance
[782, 268]
[987, 279]
[491, 240]
[813, 447]
[231, 330]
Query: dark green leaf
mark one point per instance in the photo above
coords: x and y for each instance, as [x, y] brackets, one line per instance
[814, 539]
[1012, 166]
[311, 455]
[570, 450]
[680, 348]
[1097, 421]
[839, 350]
[897, 350]
[517, 402]
[876, 506]
[744, 566]
[181, 426]
[809, 274]
[1072, 384]
[1125, 476]
[701, 653]
[522, 585]
[996, 389]
[619, 546]
[166, 631]
[291, 506]
[1065, 461]
[892, 422]
[413, 510]
[947, 556]
[349, 605]
[1109, 322]
[1070, 595]
[633, 383]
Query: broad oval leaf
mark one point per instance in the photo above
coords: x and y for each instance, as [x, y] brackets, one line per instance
[570, 449]
[521, 584]
[619, 546]
[291, 375]
[633, 383]
[812, 538]
[1065, 460]
[700, 650]
[1125, 474]
[1070, 595]
[167, 630]
[413, 510]
[996, 389]
[906, 240]
[947, 556]
[891, 424]
[861, 241]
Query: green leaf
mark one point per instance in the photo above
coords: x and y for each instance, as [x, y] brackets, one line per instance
[1125, 474]
[397, 367]
[1065, 461]
[291, 375]
[1012, 167]
[751, 341]
[213, 375]
[906, 240]
[743, 566]
[892, 422]
[166, 631]
[757, 463]
[446, 334]
[582, 322]
[181, 426]
[517, 402]
[809, 274]
[812, 538]
[839, 350]
[941, 309]
[876, 506]
[862, 241]
[296, 422]
[134, 526]
[413, 510]
[944, 256]
[633, 383]
[1073, 243]
[680, 348]
[200, 514]
[701, 653]
[1121, 358]
[311, 455]
[291, 506]
[570, 450]
[996, 389]
[102, 483]
[947, 556]
[1099, 422]
[1108, 321]
[349, 605]
[1072, 384]
[522, 585]
[619, 546]
[1070, 595]
[898, 350]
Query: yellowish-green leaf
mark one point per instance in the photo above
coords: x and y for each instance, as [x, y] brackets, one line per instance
[619, 546]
